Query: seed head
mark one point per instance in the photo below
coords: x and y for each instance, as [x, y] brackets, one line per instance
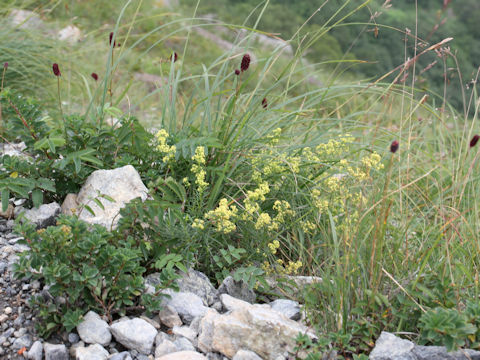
[56, 70]
[474, 140]
[174, 56]
[5, 65]
[111, 39]
[394, 147]
[237, 72]
[95, 76]
[264, 103]
[245, 62]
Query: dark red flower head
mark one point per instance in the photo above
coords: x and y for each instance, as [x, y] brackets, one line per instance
[111, 39]
[174, 56]
[245, 62]
[394, 146]
[56, 70]
[237, 72]
[95, 76]
[474, 140]
[5, 65]
[264, 103]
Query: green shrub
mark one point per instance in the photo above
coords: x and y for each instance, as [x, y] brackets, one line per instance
[85, 268]
[445, 327]
[60, 161]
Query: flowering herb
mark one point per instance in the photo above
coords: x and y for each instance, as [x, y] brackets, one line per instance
[245, 62]
[5, 65]
[264, 103]
[56, 70]
[237, 72]
[474, 140]
[114, 42]
[174, 56]
[95, 76]
[394, 147]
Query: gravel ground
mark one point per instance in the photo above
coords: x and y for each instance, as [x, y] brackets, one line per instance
[16, 318]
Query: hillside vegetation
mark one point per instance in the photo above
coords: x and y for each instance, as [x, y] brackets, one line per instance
[259, 163]
[383, 33]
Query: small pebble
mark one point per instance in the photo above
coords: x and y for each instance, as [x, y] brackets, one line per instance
[8, 310]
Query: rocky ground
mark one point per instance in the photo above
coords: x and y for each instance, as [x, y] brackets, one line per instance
[199, 322]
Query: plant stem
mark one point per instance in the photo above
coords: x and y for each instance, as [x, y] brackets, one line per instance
[60, 107]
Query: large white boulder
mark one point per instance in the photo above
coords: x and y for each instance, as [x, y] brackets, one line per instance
[122, 184]
[249, 327]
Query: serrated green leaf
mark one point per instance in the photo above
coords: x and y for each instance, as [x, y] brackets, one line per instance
[37, 197]
[5, 199]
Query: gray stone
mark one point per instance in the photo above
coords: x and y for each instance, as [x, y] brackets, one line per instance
[187, 305]
[70, 205]
[9, 213]
[246, 355]
[289, 308]
[71, 34]
[164, 348]
[55, 352]
[25, 19]
[152, 322]
[73, 338]
[122, 184]
[441, 353]
[183, 344]
[169, 317]
[231, 303]
[391, 347]
[94, 330]
[135, 334]
[23, 341]
[198, 283]
[36, 351]
[186, 332]
[74, 347]
[237, 289]
[44, 215]
[124, 355]
[13, 149]
[256, 328]
[92, 352]
[161, 337]
[183, 355]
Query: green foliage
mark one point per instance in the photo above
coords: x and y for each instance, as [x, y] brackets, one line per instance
[55, 165]
[88, 269]
[446, 327]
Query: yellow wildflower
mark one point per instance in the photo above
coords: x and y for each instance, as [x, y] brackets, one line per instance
[273, 246]
[222, 217]
[263, 220]
[167, 150]
[198, 224]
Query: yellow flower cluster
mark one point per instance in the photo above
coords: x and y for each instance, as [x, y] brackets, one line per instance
[66, 229]
[250, 203]
[199, 168]
[198, 224]
[167, 151]
[280, 268]
[273, 246]
[319, 201]
[222, 217]
[308, 226]
[263, 220]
